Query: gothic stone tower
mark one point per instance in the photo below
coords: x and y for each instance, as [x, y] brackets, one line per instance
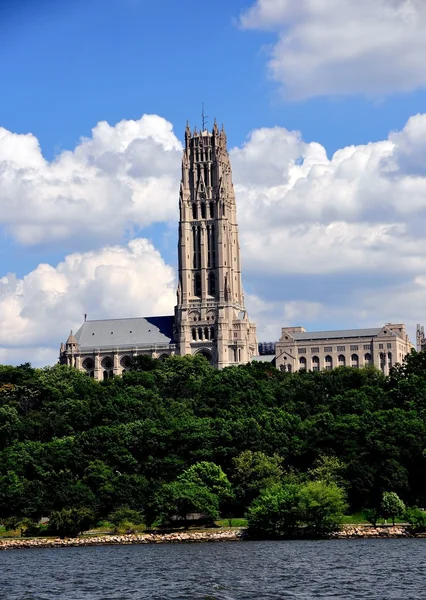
[210, 317]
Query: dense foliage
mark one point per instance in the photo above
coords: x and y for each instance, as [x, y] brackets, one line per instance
[137, 441]
[313, 508]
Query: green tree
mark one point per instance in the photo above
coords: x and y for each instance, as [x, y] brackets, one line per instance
[275, 512]
[211, 476]
[22, 524]
[124, 513]
[9, 425]
[391, 506]
[178, 499]
[416, 517]
[371, 515]
[253, 472]
[322, 506]
[328, 469]
[69, 522]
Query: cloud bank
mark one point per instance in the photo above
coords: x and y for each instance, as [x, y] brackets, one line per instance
[339, 47]
[124, 177]
[37, 310]
[325, 241]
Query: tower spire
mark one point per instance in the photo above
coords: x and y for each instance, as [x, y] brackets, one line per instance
[204, 118]
[210, 316]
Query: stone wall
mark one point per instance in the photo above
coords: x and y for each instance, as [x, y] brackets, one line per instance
[383, 531]
[145, 538]
[181, 537]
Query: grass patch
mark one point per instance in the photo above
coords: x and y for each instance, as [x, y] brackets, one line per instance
[231, 523]
[359, 519]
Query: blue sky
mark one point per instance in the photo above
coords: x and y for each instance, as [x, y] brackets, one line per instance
[68, 65]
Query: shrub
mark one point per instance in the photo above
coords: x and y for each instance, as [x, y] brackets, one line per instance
[314, 508]
[371, 515]
[69, 522]
[322, 506]
[124, 513]
[275, 512]
[416, 518]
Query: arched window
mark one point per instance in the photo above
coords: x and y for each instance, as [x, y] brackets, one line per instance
[126, 362]
[200, 333]
[302, 363]
[206, 355]
[341, 360]
[382, 360]
[203, 210]
[206, 333]
[328, 363]
[289, 368]
[211, 210]
[88, 365]
[197, 284]
[194, 211]
[194, 333]
[223, 209]
[354, 361]
[212, 284]
[367, 359]
[390, 363]
[212, 333]
[105, 374]
[315, 363]
[106, 363]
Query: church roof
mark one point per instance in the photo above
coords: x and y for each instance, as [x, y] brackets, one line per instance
[138, 331]
[267, 358]
[340, 333]
[71, 339]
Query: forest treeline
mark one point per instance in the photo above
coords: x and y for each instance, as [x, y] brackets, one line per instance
[140, 441]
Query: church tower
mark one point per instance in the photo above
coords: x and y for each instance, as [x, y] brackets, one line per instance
[210, 316]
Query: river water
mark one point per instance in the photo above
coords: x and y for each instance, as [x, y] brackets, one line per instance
[338, 569]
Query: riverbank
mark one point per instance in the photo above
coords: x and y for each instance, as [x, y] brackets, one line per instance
[182, 537]
[382, 531]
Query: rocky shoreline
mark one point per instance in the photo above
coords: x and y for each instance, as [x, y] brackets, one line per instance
[382, 531]
[143, 538]
[181, 537]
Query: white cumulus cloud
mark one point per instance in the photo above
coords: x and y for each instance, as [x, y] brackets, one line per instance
[326, 242]
[121, 178]
[343, 46]
[363, 209]
[37, 311]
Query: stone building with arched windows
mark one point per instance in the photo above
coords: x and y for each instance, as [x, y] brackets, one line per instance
[382, 347]
[106, 347]
[210, 317]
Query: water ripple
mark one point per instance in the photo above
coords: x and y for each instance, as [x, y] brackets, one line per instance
[331, 569]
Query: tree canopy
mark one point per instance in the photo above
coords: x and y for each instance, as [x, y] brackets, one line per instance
[177, 435]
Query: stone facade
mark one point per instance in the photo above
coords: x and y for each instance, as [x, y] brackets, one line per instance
[420, 339]
[382, 347]
[106, 347]
[210, 316]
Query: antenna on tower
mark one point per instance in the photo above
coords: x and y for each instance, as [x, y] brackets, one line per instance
[203, 117]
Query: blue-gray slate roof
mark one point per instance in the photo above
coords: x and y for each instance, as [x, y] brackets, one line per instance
[138, 331]
[266, 358]
[342, 333]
